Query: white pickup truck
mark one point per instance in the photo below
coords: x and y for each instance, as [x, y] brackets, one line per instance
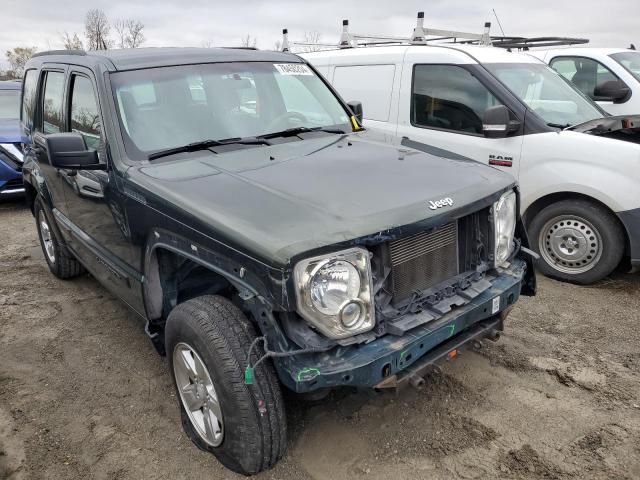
[579, 172]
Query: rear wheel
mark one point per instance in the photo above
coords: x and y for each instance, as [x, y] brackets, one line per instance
[61, 263]
[578, 241]
[244, 426]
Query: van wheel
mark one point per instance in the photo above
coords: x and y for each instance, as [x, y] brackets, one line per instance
[578, 241]
[244, 426]
[61, 263]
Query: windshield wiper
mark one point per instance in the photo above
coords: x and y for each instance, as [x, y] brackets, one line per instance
[292, 132]
[559, 125]
[206, 144]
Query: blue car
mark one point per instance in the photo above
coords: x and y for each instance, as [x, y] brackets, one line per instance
[10, 140]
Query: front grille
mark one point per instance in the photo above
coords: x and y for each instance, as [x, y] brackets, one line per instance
[423, 260]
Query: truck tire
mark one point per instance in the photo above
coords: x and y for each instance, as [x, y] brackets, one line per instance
[578, 241]
[244, 426]
[61, 263]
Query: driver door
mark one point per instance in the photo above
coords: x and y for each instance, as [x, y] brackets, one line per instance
[442, 105]
[96, 207]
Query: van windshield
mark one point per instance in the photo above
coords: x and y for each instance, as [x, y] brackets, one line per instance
[167, 107]
[546, 93]
[630, 61]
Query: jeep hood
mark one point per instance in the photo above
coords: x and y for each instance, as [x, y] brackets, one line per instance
[278, 202]
[623, 127]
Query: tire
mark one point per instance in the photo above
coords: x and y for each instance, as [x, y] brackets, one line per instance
[251, 436]
[578, 241]
[61, 263]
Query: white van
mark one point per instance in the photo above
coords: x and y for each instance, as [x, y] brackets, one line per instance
[609, 76]
[580, 183]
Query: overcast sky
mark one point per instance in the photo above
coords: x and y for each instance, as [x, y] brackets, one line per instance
[40, 23]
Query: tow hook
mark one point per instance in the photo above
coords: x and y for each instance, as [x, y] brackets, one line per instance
[416, 381]
[493, 335]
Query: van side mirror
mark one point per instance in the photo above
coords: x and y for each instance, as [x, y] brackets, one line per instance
[615, 91]
[356, 109]
[68, 151]
[497, 123]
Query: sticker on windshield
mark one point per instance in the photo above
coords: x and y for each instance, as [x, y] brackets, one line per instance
[293, 69]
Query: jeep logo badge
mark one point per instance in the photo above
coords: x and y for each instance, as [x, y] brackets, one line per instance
[440, 203]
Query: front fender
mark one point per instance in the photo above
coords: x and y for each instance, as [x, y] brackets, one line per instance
[601, 168]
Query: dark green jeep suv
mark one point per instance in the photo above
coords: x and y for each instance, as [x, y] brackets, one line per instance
[267, 240]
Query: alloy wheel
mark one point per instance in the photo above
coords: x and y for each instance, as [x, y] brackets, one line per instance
[198, 394]
[47, 238]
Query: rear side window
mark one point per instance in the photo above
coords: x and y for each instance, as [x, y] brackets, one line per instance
[29, 97]
[52, 120]
[449, 97]
[370, 84]
[85, 116]
[584, 73]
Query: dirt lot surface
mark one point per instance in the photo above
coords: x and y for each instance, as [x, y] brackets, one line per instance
[83, 394]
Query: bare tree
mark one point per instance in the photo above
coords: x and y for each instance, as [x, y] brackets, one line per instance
[277, 45]
[248, 42]
[96, 27]
[129, 32]
[136, 37]
[72, 42]
[120, 26]
[312, 42]
[206, 43]
[18, 57]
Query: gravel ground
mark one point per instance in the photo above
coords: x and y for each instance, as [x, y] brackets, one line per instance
[83, 394]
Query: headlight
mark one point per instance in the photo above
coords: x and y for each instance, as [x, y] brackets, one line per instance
[504, 224]
[334, 292]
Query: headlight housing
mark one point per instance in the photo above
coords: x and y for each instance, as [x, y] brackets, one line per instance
[504, 225]
[334, 292]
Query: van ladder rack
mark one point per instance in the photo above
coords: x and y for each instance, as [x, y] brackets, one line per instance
[525, 43]
[419, 36]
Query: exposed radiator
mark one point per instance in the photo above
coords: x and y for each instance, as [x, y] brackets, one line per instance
[423, 260]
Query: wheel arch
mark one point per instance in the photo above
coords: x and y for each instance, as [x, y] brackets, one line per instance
[173, 275]
[539, 204]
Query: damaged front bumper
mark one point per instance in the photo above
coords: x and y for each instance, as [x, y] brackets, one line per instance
[390, 359]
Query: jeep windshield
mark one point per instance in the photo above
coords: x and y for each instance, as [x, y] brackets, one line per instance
[546, 93]
[168, 110]
[630, 61]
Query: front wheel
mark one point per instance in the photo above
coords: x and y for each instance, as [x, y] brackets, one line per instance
[244, 426]
[578, 241]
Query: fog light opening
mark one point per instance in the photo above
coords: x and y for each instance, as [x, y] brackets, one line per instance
[351, 314]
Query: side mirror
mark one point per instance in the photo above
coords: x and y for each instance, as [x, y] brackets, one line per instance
[356, 109]
[68, 151]
[497, 123]
[612, 90]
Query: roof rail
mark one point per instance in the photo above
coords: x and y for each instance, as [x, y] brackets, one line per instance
[241, 48]
[524, 43]
[59, 52]
[419, 36]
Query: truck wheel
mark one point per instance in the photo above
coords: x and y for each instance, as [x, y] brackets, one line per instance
[244, 426]
[578, 241]
[62, 264]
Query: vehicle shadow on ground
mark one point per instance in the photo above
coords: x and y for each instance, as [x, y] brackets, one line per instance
[13, 203]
